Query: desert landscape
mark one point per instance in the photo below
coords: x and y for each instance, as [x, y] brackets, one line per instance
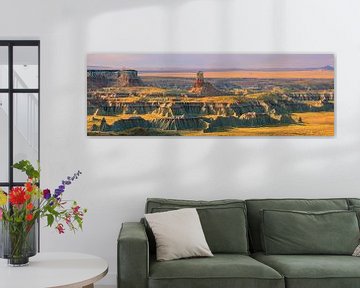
[210, 101]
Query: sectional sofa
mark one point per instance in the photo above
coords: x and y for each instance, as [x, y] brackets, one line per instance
[261, 243]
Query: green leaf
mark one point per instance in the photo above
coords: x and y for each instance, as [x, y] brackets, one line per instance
[79, 221]
[50, 219]
[26, 167]
[52, 211]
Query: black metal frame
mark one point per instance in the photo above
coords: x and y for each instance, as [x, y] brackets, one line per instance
[10, 91]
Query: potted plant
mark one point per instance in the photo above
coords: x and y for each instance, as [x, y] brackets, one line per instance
[21, 208]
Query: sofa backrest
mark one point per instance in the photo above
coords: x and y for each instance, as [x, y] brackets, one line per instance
[223, 221]
[353, 202]
[256, 205]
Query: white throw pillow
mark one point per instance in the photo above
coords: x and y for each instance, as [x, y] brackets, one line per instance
[178, 234]
[357, 251]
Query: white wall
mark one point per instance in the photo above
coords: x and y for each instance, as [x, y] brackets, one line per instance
[120, 173]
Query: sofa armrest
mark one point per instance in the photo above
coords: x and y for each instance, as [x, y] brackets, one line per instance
[133, 256]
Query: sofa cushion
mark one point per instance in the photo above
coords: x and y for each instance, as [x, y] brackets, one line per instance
[224, 222]
[222, 270]
[356, 209]
[353, 201]
[314, 271]
[297, 232]
[255, 206]
[354, 205]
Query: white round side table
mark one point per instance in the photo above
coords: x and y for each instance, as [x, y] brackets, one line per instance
[54, 270]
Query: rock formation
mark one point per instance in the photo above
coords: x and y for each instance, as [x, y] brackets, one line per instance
[203, 88]
[109, 78]
[198, 109]
[129, 78]
[250, 119]
[311, 95]
[324, 99]
[173, 109]
[102, 78]
[327, 68]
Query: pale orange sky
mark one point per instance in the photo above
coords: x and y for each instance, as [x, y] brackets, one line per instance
[313, 74]
[207, 62]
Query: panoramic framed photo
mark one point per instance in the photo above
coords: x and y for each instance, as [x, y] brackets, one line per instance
[210, 94]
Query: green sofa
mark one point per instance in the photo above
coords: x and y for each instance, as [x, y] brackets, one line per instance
[233, 231]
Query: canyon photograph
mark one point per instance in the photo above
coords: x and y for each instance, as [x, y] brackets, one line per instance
[210, 94]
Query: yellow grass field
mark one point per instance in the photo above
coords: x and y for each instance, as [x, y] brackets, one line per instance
[314, 124]
[307, 74]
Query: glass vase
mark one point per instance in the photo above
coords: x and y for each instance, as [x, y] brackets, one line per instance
[18, 242]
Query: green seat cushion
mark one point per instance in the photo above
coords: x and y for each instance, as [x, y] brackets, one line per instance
[222, 270]
[297, 232]
[224, 222]
[255, 206]
[315, 271]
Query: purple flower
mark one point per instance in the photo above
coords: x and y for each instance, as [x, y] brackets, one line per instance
[64, 183]
[46, 194]
[57, 193]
